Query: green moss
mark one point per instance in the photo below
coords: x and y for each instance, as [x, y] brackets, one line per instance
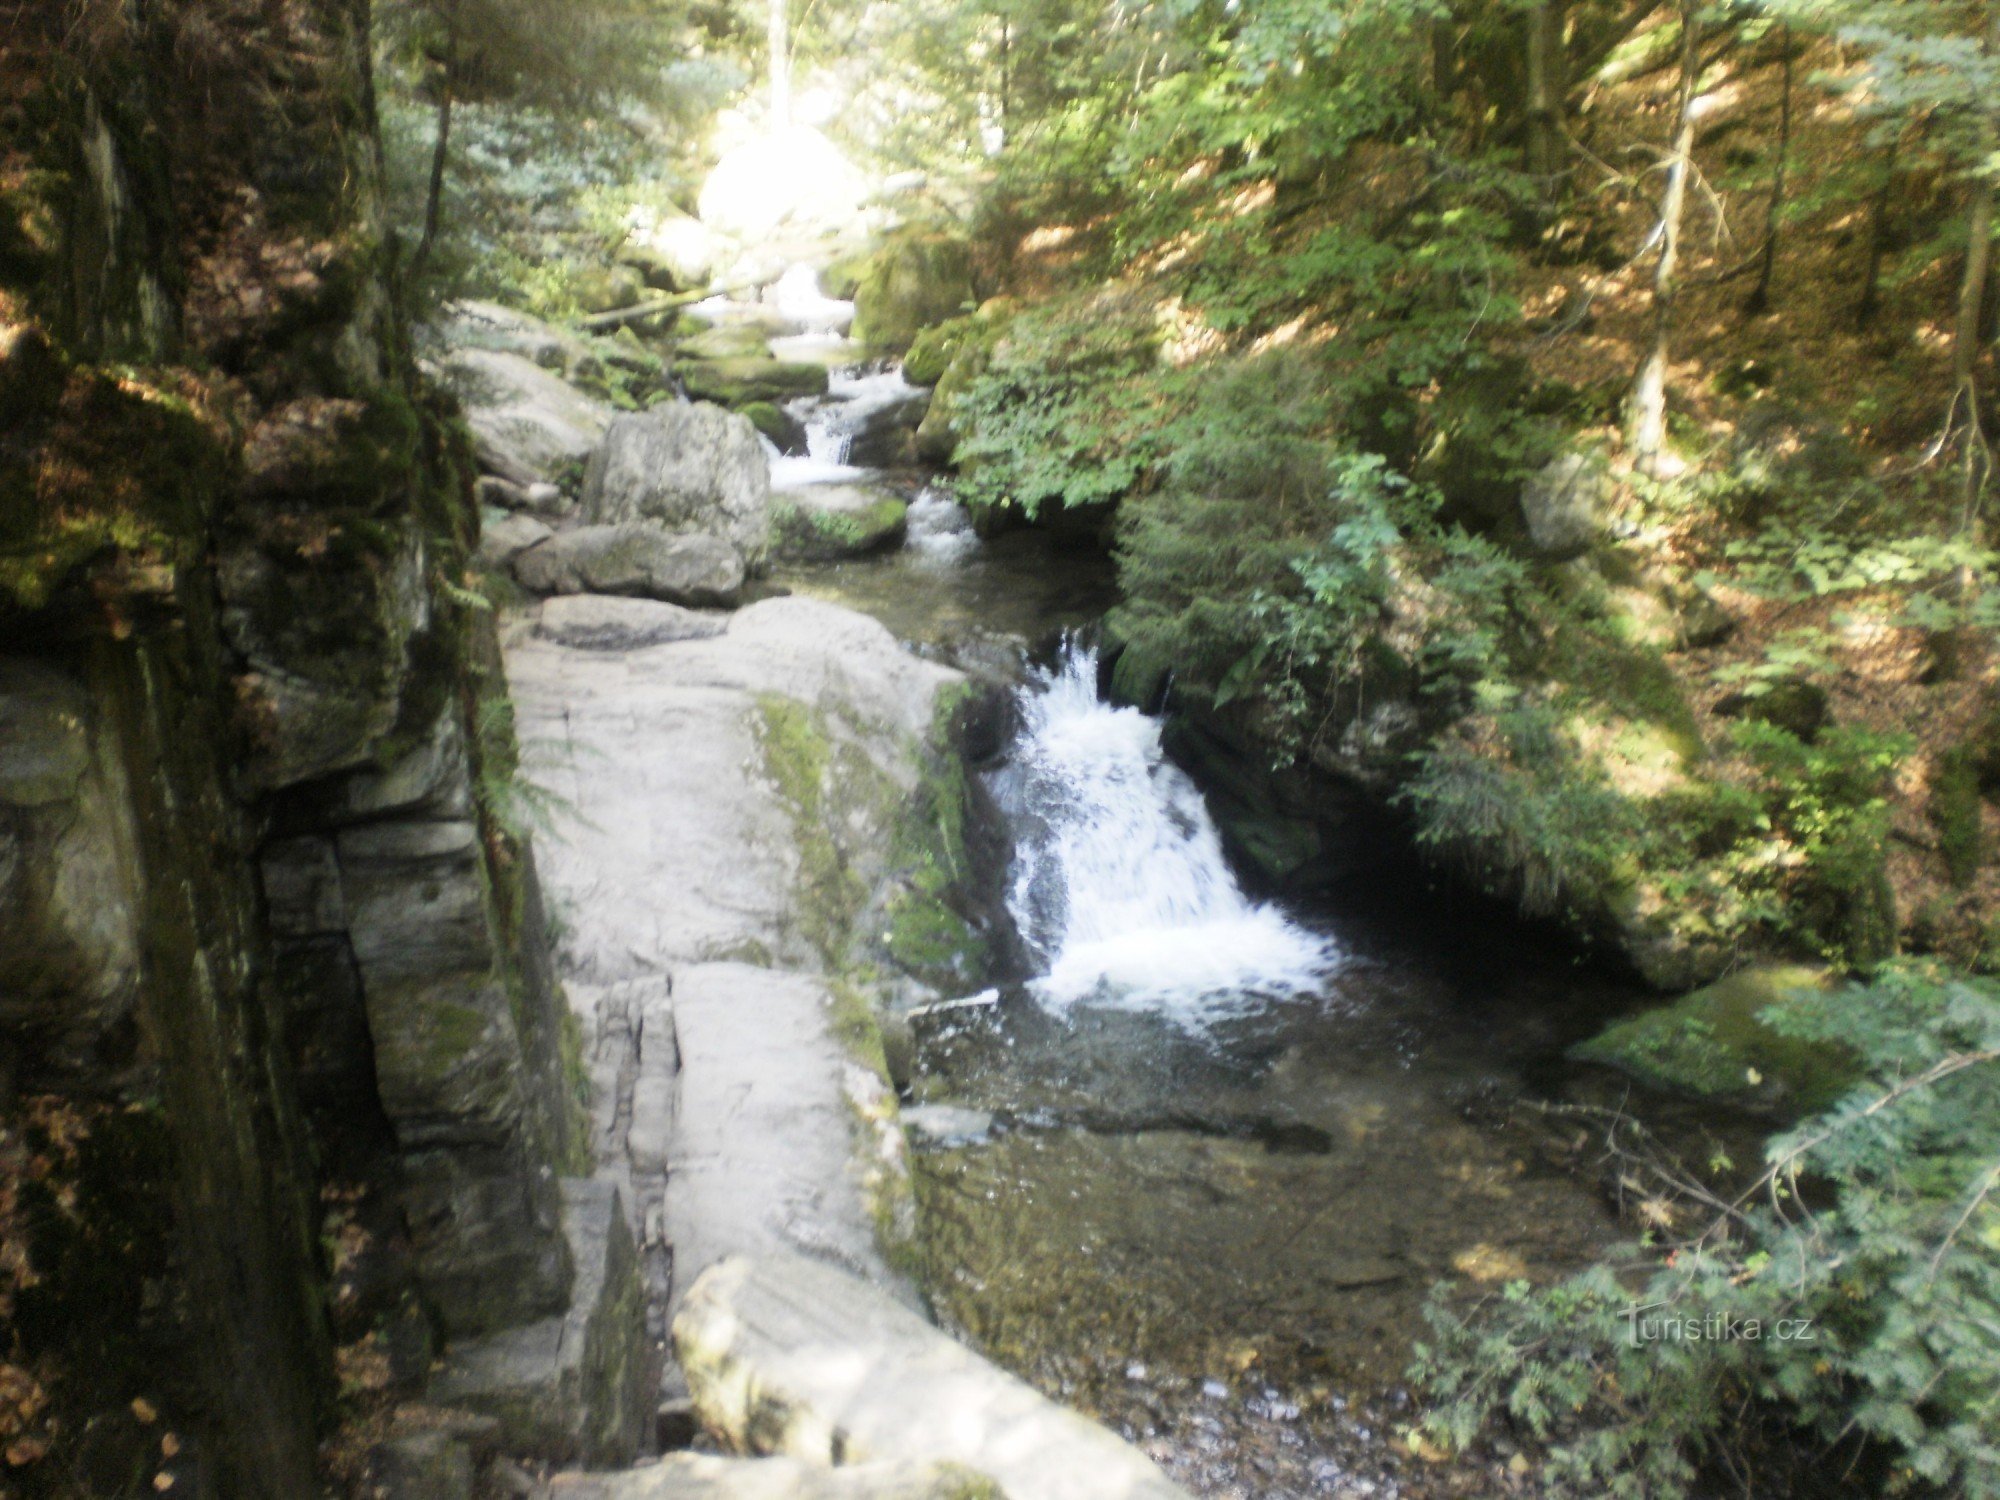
[1956, 813]
[799, 757]
[1714, 1042]
[804, 533]
[737, 383]
[1633, 680]
[851, 1018]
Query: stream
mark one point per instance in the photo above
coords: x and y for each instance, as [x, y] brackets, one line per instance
[1197, 1173]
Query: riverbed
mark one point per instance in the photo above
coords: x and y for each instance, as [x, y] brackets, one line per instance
[1198, 1171]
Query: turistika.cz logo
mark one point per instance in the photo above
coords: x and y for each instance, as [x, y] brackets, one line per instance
[1714, 1328]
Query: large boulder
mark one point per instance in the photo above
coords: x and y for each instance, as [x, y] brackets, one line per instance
[788, 1355]
[634, 558]
[918, 279]
[826, 522]
[685, 467]
[1564, 504]
[528, 425]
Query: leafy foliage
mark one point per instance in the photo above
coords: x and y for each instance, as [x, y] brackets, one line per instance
[1853, 1288]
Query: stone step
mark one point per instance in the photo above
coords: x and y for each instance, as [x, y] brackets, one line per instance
[698, 1476]
[787, 1355]
[577, 1387]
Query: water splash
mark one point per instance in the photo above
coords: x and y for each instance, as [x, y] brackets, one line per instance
[1120, 886]
[940, 530]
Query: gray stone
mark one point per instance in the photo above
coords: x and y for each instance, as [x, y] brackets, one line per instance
[70, 878]
[1564, 505]
[635, 558]
[702, 1476]
[326, 649]
[787, 1355]
[761, 1154]
[603, 622]
[421, 1466]
[302, 888]
[416, 900]
[528, 425]
[576, 1387]
[826, 522]
[660, 790]
[429, 779]
[504, 538]
[486, 1229]
[688, 467]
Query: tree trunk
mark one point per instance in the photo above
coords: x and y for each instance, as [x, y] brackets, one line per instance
[1870, 302]
[1966, 340]
[1760, 295]
[440, 154]
[1647, 418]
[779, 37]
[1545, 96]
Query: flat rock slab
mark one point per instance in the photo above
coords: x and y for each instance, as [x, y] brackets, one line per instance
[763, 1154]
[608, 622]
[700, 1476]
[528, 426]
[667, 842]
[784, 1354]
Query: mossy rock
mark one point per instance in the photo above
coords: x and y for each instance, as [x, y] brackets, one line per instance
[918, 279]
[931, 351]
[1715, 1043]
[726, 341]
[777, 424]
[972, 341]
[834, 521]
[737, 383]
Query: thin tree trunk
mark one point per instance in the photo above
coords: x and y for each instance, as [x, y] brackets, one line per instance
[1878, 239]
[440, 152]
[1545, 96]
[1647, 420]
[778, 33]
[1966, 340]
[1760, 295]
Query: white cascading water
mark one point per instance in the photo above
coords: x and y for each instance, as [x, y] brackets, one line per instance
[1120, 886]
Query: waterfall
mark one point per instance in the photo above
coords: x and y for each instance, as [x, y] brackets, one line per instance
[1119, 885]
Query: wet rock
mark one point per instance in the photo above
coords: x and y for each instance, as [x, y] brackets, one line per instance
[787, 1355]
[826, 522]
[691, 1476]
[739, 381]
[637, 559]
[685, 467]
[887, 438]
[1564, 505]
[69, 880]
[575, 1387]
[777, 424]
[503, 539]
[528, 425]
[600, 622]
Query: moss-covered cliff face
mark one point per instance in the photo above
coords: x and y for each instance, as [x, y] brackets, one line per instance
[259, 914]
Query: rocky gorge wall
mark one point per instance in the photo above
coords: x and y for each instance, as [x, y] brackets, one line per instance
[260, 907]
